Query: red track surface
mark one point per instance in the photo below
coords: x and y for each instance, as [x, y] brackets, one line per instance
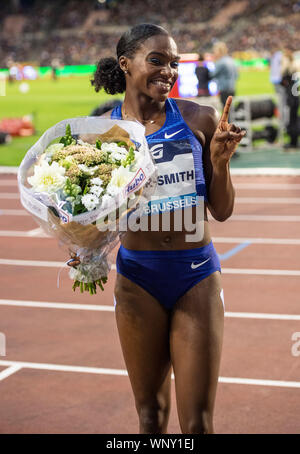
[41, 400]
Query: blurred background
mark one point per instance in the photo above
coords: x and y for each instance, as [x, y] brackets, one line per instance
[49, 51]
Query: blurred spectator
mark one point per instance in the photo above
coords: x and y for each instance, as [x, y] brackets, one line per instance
[202, 74]
[4, 138]
[275, 68]
[296, 7]
[54, 67]
[275, 79]
[289, 80]
[225, 71]
[61, 29]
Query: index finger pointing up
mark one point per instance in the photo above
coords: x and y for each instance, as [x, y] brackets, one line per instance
[225, 114]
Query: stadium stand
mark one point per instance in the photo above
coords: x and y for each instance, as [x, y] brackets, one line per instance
[82, 31]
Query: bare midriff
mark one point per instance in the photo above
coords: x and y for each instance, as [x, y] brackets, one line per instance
[168, 240]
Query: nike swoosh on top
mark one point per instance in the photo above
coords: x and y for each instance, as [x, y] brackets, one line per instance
[196, 265]
[167, 136]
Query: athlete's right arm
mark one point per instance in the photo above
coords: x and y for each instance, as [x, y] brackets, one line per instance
[204, 121]
[222, 146]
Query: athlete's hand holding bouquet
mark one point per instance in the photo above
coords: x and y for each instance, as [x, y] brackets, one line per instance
[79, 190]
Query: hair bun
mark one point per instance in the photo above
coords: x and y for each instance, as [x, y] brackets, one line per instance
[109, 76]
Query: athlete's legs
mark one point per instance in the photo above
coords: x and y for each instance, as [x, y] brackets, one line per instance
[143, 326]
[196, 344]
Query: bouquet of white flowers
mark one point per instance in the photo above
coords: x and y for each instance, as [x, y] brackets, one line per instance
[79, 190]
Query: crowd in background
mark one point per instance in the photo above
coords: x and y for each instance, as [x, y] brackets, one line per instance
[56, 29]
[74, 32]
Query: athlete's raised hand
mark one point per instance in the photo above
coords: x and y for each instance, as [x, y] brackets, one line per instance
[226, 138]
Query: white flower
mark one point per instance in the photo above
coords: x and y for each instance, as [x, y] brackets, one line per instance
[116, 156]
[106, 200]
[97, 190]
[120, 177]
[97, 181]
[48, 178]
[111, 147]
[86, 144]
[113, 190]
[69, 158]
[87, 170]
[108, 146]
[53, 148]
[88, 272]
[90, 201]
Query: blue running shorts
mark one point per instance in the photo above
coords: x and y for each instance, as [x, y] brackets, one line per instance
[168, 275]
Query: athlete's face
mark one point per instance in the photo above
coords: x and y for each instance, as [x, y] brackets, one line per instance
[154, 68]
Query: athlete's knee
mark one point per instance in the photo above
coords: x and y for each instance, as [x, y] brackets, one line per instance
[200, 424]
[153, 415]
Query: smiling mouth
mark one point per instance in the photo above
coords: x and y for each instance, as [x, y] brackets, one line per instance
[165, 86]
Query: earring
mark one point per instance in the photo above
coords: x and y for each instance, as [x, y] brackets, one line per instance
[126, 72]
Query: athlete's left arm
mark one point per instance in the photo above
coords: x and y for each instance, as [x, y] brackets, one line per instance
[220, 146]
[219, 140]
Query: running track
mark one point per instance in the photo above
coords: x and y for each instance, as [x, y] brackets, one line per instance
[63, 371]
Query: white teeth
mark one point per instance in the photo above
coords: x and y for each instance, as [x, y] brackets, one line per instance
[161, 83]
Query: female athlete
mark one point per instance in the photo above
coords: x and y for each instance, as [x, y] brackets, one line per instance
[168, 293]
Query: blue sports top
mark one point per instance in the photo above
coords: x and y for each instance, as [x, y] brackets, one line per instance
[178, 157]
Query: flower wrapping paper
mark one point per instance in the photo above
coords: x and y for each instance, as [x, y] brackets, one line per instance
[91, 235]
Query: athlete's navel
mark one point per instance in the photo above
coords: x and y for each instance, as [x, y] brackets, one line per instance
[167, 240]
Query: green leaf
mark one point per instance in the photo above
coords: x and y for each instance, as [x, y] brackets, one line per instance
[122, 144]
[67, 139]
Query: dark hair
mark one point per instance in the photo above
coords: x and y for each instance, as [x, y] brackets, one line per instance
[108, 74]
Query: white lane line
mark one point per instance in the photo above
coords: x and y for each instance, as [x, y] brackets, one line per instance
[39, 233]
[235, 217]
[9, 195]
[291, 241]
[266, 200]
[123, 372]
[234, 171]
[106, 308]
[268, 186]
[271, 186]
[35, 233]
[9, 371]
[13, 212]
[8, 170]
[259, 382]
[64, 368]
[48, 305]
[14, 233]
[260, 218]
[262, 316]
[265, 171]
[50, 264]
[262, 272]
[8, 182]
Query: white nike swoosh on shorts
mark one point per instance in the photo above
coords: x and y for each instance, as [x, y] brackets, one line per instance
[168, 136]
[194, 266]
